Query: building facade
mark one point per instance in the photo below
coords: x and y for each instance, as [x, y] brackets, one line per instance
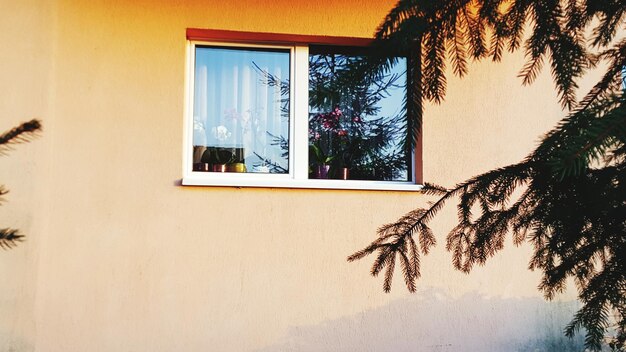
[121, 256]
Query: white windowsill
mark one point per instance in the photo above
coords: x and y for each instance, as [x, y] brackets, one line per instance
[308, 183]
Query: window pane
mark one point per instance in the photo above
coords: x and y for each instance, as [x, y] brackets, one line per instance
[357, 123]
[241, 110]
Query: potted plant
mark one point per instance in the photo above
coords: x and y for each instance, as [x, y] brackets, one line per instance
[322, 161]
[224, 159]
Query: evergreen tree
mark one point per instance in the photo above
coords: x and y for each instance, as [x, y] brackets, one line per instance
[572, 207]
[20, 134]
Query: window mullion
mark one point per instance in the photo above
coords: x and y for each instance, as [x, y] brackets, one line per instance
[300, 97]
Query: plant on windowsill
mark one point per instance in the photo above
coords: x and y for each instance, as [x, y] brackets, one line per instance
[220, 155]
[321, 166]
[224, 159]
[348, 147]
[347, 121]
[330, 144]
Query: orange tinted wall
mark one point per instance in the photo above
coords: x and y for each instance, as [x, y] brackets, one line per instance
[120, 257]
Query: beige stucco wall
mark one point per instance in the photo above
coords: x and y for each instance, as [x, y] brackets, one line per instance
[120, 257]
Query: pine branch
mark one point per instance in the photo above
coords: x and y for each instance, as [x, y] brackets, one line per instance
[415, 256]
[583, 137]
[476, 34]
[9, 238]
[407, 269]
[390, 262]
[611, 81]
[404, 10]
[434, 65]
[456, 48]
[414, 103]
[575, 220]
[375, 245]
[3, 191]
[531, 69]
[497, 45]
[610, 13]
[512, 24]
[20, 134]
[412, 223]
[602, 135]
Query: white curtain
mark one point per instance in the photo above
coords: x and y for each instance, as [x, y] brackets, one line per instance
[237, 102]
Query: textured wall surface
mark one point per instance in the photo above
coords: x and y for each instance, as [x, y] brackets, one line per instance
[120, 257]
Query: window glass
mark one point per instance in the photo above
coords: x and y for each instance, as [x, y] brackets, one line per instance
[241, 110]
[357, 122]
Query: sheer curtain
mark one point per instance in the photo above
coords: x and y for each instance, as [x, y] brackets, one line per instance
[239, 105]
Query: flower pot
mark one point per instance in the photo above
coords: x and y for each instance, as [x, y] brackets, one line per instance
[344, 173]
[201, 167]
[219, 167]
[321, 171]
[236, 167]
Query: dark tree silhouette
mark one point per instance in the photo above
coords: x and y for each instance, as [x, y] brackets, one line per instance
[20, 134]
[572, 207]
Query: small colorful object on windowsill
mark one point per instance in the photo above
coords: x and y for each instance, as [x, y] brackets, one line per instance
[344, 173]
[322, 162]
[219, 159]
[321, 171]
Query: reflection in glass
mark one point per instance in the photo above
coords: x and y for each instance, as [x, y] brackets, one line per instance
[357, 122]
[241, 110]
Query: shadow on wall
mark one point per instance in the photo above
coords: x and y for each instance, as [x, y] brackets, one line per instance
[11, 343]
[432, 321]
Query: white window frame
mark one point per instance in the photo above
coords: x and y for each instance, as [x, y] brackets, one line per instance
[298, 176]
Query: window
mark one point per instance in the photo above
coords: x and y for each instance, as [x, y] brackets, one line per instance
[241, 110]
[272, 110]
[356, 122]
